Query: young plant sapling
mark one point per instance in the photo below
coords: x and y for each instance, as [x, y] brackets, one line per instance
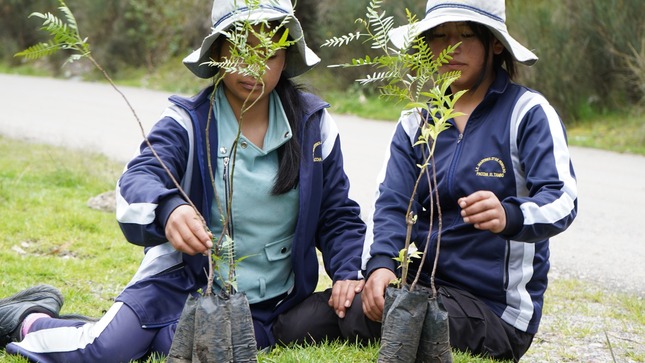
[411, 75]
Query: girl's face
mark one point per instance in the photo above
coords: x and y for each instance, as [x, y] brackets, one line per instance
[240, 88]
[469, 58]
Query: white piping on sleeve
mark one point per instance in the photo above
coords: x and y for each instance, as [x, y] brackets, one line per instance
[519, 310]
[561, 207]
[135, 213]
[328, 133]
[144, 213]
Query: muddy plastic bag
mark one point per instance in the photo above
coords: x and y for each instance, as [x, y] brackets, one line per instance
[181, 350]
[213, 340]
[390, 295]
[402, 324]
[245, 348]
[434, 345]
[220, 331]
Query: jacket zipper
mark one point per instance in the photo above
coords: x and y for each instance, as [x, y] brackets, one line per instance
[227, 202]
[454, 162]
[506, 262]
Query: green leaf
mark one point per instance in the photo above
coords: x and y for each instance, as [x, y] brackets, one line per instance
[419, 105]
[38, 51]
[64, 35]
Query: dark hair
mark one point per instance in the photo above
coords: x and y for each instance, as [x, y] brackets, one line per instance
[504, 59]
[289, 153]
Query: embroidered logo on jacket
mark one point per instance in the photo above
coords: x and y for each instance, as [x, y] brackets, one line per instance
[317, 153]
[491, 167]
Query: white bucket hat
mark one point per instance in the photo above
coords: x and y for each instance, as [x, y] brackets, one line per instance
[227, 12]
[491, 13]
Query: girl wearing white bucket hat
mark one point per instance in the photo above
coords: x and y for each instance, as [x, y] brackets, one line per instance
[505, 181]
[225, 13]
[290, 199]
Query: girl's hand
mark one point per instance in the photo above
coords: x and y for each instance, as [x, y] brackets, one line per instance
[343, 293]
[374, 295]
[186, 232]
[484, 210]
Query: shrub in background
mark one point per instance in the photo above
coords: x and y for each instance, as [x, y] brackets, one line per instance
[128, 33]
[585, 48]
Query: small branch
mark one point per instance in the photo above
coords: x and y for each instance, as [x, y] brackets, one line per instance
[611, 350]
[428, 159]
[217, 244]
[145, 137]
[440, 221]
[427, 244]
[409, 220]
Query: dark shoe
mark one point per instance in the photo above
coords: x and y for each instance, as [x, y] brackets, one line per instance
[14, 309]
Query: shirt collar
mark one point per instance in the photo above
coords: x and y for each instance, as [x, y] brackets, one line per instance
[279, 131]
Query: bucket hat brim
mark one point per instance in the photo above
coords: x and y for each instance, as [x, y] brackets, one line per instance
[299, 57]
[403, 36]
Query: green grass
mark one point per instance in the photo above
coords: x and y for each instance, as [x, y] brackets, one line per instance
[366, 106]
[621, 133]
[26, 69]
[50, 235]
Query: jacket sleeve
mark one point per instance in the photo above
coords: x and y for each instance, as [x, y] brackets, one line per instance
[546, 201]
[340, 231]
[387, 228]
[146, 195]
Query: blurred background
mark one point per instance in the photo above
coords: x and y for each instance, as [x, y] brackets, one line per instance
[592, 52]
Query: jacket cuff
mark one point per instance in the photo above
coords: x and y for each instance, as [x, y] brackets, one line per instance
[380, 261]
[514, 219]
[166, 207]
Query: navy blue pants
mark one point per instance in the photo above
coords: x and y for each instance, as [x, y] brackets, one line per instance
[474, 328]
[117, 337]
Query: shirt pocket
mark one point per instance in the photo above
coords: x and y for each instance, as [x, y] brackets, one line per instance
[279, 250]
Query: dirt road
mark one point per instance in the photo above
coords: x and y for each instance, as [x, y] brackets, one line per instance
[605, 244]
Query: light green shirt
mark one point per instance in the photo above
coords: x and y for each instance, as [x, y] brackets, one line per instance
[263, 223]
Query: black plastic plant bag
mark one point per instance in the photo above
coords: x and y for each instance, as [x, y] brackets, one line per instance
[220, 331]
[213, 340]
[242, 332]
[181, 350]
[434, 345]
[404, 314]
[390, 295]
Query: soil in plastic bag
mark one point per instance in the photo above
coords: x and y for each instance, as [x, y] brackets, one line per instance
[434, 345]
[181, 350]
[404, 314]
[390, 295]
[222, 331]
[244, 345]
[213, 340]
